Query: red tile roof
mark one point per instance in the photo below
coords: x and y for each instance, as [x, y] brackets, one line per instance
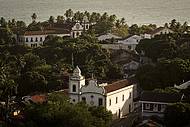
[39, 98]
[117, 85]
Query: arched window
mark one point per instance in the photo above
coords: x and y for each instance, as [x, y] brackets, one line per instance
[41, 39]
[123, 98]
[36, 39]
[31, 39]
[77, 34]
[74, 88]
[26, 39]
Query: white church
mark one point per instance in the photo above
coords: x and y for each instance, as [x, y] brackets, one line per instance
[116, 97]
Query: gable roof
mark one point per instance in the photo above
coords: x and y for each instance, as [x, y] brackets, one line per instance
[131, 39]
[183, 86]
[117, 85]
[160, 97]
[159, 29]
[108, 36]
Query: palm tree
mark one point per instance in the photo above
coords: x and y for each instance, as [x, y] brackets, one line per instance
[69, 14]
[122, 21]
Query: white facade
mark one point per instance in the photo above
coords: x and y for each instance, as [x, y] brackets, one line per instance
[76, 82]
[153, 108]
[120, 102]
[36, 38]
[33, 40]
[116, 97]
[77, 30]
[131, 42]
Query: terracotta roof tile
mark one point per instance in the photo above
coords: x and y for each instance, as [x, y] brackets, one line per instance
[39, 98]
[117, 85]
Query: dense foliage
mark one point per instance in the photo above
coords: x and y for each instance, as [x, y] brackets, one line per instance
[58, 112]
[177, 115]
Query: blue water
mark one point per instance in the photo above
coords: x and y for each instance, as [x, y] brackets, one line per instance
[134, 11]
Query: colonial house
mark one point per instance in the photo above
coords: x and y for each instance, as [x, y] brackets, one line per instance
[117, 97]
[36, 38]
[159, 31]
[131, 41]
[154, 103]
[107, 36]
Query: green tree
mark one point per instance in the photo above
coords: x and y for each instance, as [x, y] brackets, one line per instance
[134, 29]
[69, 14]
[6, 36]
[60, 19]
[59, 112]
[177, 115]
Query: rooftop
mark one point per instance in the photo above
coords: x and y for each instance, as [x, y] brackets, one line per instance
[160, 97]
[159, 29]
[117, 85]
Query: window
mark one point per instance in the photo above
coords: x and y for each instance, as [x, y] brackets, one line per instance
[73, 100]
[129, 107]
[123, 98]
[86, 26]
[74, 88]
[110, 102]
[100, 101]
[147, 106]
[77, 34]
[92, 96]
[83, 99]
[31, 39]
[130, 95]
[36, 39]
[159, 107]
[41, 39]
[26, 39]
[116, 100]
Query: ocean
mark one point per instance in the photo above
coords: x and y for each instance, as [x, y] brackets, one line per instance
[134, 11]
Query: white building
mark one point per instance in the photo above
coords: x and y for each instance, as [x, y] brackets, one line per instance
[131, 42]
[159, 31]
[154, 103]
[36, 38]
[116, 97]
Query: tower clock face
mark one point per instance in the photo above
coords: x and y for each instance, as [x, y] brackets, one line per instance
[77, 26]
